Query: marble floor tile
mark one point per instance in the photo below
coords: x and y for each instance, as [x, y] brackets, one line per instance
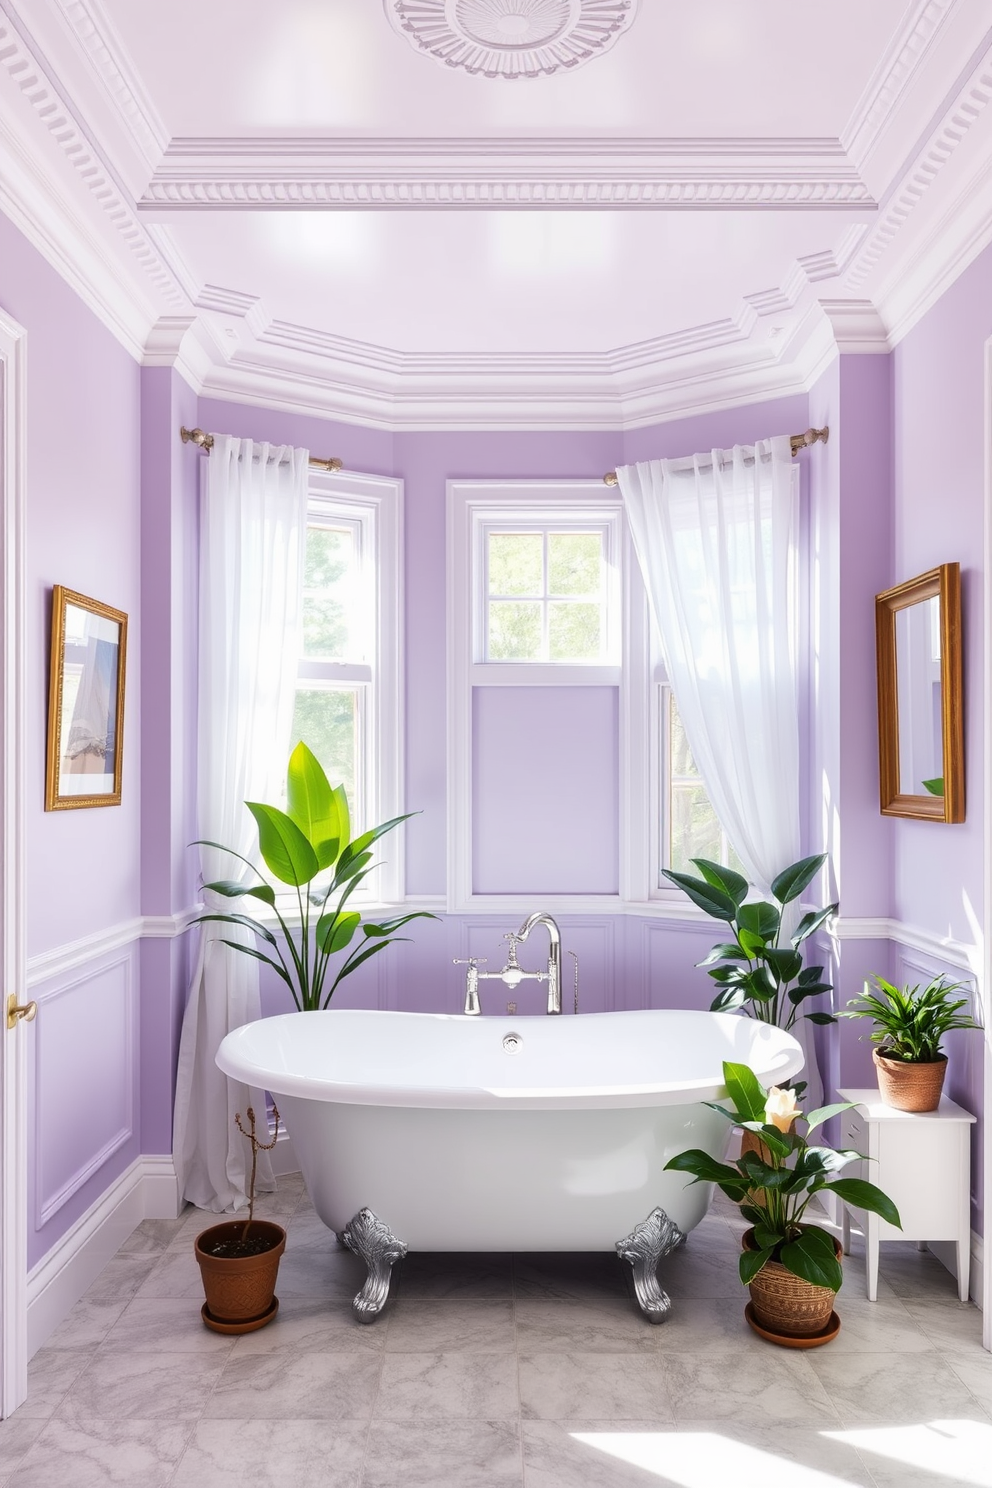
[438, 1275]
[616, 1387]
[568, 1277]
[781, 1387]
[457, 1326]
[273, 1454]
[613, 1326]
[314, 1387]
[868, 1388]
[88, 1324]
[754, 1454]
[877, 1327]
[153, 1235]
[573, 1454]
[698, 1325]
[102, 1452]
[122, 1278]
[141, 1387]
[442, 1454]
[952, 1327]
[175, 1274]
[930, 1453]
[17, 1433]
[313, 1325]
[166, 1325]
[915, 1273]
[448, 1386]
[51, 1374]
[975, 1373]
[702, 1272]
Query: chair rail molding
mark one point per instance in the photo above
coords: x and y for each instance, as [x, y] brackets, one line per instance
[47, 965]
[944, 948]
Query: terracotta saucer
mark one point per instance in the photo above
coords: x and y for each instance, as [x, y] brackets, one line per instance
[812, 1340]
[248, 1325]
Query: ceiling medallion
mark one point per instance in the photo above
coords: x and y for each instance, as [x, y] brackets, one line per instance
[511, 38]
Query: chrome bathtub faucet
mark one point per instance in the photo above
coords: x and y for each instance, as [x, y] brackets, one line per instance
[513, 974]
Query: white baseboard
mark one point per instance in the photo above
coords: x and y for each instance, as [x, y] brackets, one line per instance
[147, 1190]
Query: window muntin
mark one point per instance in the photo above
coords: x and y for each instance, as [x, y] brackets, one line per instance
[692, 829]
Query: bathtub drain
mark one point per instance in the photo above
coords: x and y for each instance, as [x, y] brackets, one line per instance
[513, 1043]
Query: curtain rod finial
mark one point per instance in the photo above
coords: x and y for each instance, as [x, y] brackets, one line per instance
[610, 478]
[812, 436]
[197, 437]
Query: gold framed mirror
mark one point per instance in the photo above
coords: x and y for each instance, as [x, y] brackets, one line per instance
[85, 703]
[920, 705]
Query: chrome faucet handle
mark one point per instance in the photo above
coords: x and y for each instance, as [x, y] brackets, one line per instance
[470, 961]
[472, 1006]
[514, 940]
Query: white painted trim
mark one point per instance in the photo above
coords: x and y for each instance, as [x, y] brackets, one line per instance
[13, 940]
[985, 985]
[945, 1251]
[940, 947]
[148, 1189]
[47, 965]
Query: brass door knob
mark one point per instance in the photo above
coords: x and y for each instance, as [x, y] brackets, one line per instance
[17, 1013]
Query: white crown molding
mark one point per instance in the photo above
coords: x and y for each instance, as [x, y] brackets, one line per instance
[892, 78]
[927, 161]
[294, 174]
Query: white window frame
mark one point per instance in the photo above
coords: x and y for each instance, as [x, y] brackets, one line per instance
[473, 507]
[375, 503]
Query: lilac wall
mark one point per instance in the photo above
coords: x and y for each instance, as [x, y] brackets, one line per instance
[83, 866]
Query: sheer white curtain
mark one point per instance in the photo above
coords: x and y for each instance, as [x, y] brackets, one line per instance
[253, 514]
[716, 537]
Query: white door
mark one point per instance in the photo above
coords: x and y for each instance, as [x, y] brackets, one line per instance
[13, 1041]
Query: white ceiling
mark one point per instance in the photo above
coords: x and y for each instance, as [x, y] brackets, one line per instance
[315, 196]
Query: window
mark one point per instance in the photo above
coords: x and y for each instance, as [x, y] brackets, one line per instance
[348, 679]
[690, 827]
[547, 595]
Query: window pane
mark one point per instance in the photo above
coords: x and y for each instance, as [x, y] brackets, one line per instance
[327, 720]
[514, 631]
[516, 563]
[574, 632]
[695, 830]
[575, 563]
[328, 595]
[681, 755]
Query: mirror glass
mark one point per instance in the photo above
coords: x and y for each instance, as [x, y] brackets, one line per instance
[920, 711]
[921, 747]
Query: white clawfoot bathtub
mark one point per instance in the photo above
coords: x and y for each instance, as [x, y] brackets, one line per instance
[460, 1133]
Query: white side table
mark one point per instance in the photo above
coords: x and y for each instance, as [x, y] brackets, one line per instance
[922, 1161]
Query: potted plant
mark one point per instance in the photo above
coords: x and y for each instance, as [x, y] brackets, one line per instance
[791, 1267]
[754, 971]
[312, 837]
[239, 1259]
[910, 1023]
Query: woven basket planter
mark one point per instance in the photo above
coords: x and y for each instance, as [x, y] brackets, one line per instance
[910, 1087]
[786, 1304]
[240, 1290]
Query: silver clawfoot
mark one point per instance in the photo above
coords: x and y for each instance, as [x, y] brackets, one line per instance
[644, 1247]
[375, 1244]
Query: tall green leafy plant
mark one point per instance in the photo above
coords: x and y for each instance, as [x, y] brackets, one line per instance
[755, 971]
[310, 838]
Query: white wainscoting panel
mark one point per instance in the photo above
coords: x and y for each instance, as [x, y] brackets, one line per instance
[85, 1078]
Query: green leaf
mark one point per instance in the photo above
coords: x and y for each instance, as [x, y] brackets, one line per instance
[239, 919]
[800, 992]
[824, 1113]
[703, 1167]
[866, 1196]
[761, 918]
[719, 877]
[265, 892]
[751, 1262]
[335, 931]
[934, 786]
[725, 952]
[714, 901]
[230, 888]
[351, 869]
[785, 963]
[313, 805]
[728, 1000]
[809, 1258]
[745, 1090]
[258, 956]
[791, 881]
[811, 922]
[820, 1018]
[287, 853]
[765, 1237]
[751, 943]
[810, 975]
[389, 927]
[753, 1215]
[344, 816]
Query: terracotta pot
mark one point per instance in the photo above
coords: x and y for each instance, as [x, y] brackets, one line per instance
[786, 1304]
[910, 1087]
[240, 1290]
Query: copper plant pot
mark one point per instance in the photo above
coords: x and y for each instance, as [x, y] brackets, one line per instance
[910, 1087]
[784, 1303]
[240, 1290]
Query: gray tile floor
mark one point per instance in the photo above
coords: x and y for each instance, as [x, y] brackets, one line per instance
[532, 1371]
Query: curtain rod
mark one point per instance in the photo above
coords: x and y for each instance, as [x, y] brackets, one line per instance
[206, 442]
[797, 441]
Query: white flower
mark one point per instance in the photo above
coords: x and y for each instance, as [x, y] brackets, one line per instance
[781, 1109]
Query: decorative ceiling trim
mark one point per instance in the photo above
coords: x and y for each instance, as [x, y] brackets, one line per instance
[223, 174]
[40, 91]
[511, 39]
[109, 61]
[892, 77]
[926, 163]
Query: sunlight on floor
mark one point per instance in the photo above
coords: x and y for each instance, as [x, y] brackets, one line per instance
[958, 1450]
[700, 1459]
